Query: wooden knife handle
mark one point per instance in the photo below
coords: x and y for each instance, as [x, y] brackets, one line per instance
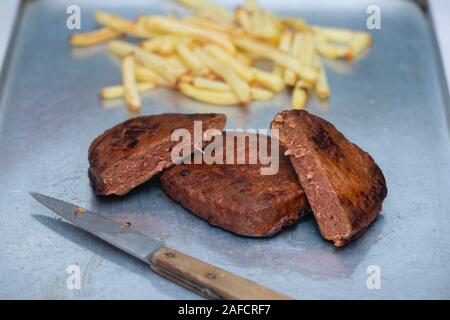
[207, 280]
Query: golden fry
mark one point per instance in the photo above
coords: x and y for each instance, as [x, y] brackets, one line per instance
[361, 41]
[208, 24]
[117, 23]
[208, 6]
[322, 87]
[204, 83]
[151, 45]
[261, 94]
[148, 75]
[268, 80]
[94, 37]
[242, 70]
[282, 58]
[129, 84]
[176, 64]
[300, 94]
[335, 34]
[244, 59]
[167, 46]
[296, 24]
[190, 59]
[209, 96]
[290, 78]
[333, 51]
[150, 60]
[239, 86]
[284, 45]
[114, 92]
[306, 50]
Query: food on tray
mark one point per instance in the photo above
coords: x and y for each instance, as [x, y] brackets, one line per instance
[344, 186]
[317, 167]
[236, 197]
[131, 152]
[223, 46]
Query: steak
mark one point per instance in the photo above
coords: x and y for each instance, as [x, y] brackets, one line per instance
[343, 184]
[131, 152]
[237, 197]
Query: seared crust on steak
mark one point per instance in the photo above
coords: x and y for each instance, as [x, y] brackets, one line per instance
[343, 184]
[131, 152]
[236, 197]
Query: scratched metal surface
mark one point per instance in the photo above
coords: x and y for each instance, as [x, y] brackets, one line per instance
[390, 102]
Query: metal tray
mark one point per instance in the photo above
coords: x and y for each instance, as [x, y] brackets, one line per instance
[391, 102]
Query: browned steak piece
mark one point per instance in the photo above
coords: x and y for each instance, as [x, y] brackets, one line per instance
[131, 152]
[236, 197]
[344, 186]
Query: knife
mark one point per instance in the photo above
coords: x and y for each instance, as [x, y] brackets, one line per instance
[193, 274]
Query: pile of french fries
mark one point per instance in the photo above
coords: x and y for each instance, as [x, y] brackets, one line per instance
[210, 55]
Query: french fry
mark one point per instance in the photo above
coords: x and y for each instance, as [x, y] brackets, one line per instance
[208, 24]
[144, 74]
[176, 64]
[181, 28]
[141, 29]
[286, 41]
[360, 42]
[115, 92]
[209, 96]
[261, 94]
[166, 46]
[257, 22]
[208, 6]
[244, 59]
[335, 34]
[152, 61]
[242, 70]
[333, 51]
[284, 45]
[239, 86]
[306, 51]
[190, 59]
[290, 77]
[162, 45]
[94, 37]
[208, 15]
[243, 18]
[322, 87]
[268, 80]
[151, 45]
[204, 83]
[296, 24]
[187, 78]
[282, 58]
[129, 84]
[214, 85]
[300, 94]
[118, 24]
[356, 41]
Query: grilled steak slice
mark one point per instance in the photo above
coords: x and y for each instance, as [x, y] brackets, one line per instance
[344, 186]
[131, 152]
[236, 197]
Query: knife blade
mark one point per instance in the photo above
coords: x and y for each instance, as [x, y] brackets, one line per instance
[198, 276]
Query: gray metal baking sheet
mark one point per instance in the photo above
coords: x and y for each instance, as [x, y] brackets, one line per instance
[390, 102]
